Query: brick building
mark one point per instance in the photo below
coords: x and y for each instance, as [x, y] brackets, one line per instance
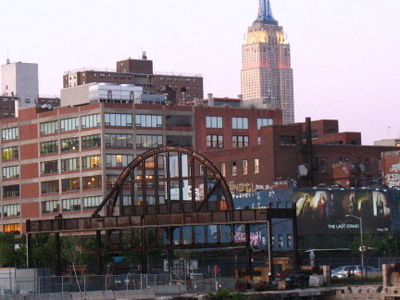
[181, 88]
[63, 160]
[283, 152]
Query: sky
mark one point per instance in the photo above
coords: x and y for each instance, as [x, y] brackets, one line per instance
[345, 53]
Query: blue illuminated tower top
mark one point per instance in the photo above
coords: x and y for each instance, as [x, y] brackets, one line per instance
[265, 13]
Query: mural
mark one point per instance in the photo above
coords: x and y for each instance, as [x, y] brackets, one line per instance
[331, 211]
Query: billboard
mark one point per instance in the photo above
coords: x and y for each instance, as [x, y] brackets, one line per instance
[331, 211]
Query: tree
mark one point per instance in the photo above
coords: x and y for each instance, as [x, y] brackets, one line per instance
[11, 254]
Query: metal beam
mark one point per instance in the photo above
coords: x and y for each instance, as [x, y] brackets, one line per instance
[244, 216]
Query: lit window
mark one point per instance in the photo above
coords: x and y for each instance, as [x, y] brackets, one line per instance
[245, 166]
[234, 168]
[256, 166]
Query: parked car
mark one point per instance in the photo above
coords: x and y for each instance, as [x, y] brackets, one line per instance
[352, 271]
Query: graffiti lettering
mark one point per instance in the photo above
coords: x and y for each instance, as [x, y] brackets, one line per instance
[246, 187]
[395, 168]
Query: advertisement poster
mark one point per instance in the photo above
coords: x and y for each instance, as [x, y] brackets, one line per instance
[339, 211]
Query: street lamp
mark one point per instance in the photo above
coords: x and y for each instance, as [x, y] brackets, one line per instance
[361, 242]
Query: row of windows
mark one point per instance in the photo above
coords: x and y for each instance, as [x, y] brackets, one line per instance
[87, 162]
[245, 167]
[71, 144]
[71, 184]
[71, 204]
[10, 172]
[237, 122]
[217, 141]
[10, 134]
[90, 141]
[49, 187]
[181, 79]
[90, 121]
[70, 164]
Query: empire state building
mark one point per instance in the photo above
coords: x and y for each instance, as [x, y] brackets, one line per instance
[266, 76]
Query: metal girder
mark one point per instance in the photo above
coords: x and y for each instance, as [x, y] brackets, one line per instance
[226, 217]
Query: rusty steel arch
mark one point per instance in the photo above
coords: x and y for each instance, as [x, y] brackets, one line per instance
[207, 175]
[170, 217]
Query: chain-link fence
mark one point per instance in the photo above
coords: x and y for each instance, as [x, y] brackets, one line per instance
[14, 283]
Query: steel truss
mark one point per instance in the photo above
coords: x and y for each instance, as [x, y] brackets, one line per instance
[171, 211]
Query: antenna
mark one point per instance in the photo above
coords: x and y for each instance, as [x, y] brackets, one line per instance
[8, 57]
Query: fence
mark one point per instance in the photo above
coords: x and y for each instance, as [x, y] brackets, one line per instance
[161, 283]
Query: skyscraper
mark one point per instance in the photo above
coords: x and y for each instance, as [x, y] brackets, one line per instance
[266, 73]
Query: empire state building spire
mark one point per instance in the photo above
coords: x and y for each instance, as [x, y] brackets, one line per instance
[267, 75]
[265, 13]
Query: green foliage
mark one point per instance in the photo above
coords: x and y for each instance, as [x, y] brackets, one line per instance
[133, 241]
[377, 243]
[11, 254]
[42, 249]
[237, 296]
[222, 294]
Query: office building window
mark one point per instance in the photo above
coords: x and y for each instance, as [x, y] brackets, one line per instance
[48, 167]
[111, 179]
[245, 166]
[287, 140]
[48, 147]
[223, 169]
[149, 141]
[10, 153]
[233, 168]
[49, 187]
[215, 141]
[118, 160]
[91, 162]
[90, 121]
[10, 172]
[48, 128]
[10, 134]
[70, 184]
[70, 164]
[148, 121]
[91, 141]
[72, 204]
[289, 240]
[91, 182]
[213, 122]
[11, 191]
[256, 166]
[239, 141]
[123, 120]
[118, 140]
[91, 202]
[51, 206]
[13, 228]
[71, 144]
[322, 164]
[11, 210]
[69, 124]
[240, 123]
[264, 122]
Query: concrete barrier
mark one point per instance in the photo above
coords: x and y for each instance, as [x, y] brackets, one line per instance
[170, 289]
[134, 295]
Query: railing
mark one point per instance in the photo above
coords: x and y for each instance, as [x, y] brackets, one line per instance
[10, 284]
